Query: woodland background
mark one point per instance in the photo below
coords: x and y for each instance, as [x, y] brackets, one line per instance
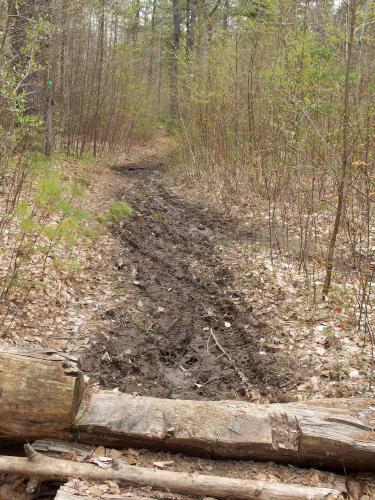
[268, 106]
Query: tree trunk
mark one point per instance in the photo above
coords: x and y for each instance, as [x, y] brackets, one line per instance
[345, 151]
[10, 13]
[190, 29]
[135, 24]
[152, 43]
[100, 57]
[187, 23]
[174, 67]
[49, 119]
[226, 15]
[160, 65]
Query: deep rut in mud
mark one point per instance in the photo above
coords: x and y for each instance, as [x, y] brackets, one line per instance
[176, 292]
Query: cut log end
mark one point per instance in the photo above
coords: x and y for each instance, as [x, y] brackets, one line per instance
[40, 392]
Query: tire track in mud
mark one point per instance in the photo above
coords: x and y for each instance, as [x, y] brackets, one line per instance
[177, 291]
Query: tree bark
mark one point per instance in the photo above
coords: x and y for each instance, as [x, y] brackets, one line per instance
[48, 135]
[345, 151]
[39, 394]
[63, 494]
[100, 58]
[190, 27]
[135, 24]
[152, 43]
[10, 13]
[174, 66]
[226, 15]
[328, 433]
[37, 465]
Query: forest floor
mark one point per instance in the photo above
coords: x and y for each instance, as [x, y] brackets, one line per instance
[179, 301]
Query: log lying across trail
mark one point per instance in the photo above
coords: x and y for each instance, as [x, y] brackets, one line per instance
[328, 433]
[38, 465]
[39, 396]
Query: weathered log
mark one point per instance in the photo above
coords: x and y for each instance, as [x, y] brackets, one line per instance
[57, 448]
[83, 453]
[39, 394]
[37, 465]
[65, 495]
[337, 433]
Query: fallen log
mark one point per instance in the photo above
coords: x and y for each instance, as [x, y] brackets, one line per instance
[39, 394]
[83, 453]
[38, 465]
[337, 433]
[62, 495]
[65, 495]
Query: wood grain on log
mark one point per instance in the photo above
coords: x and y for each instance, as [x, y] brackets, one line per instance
[337, 433]
[65, 495]
[39, 394]
[62, 495]
[37, 465]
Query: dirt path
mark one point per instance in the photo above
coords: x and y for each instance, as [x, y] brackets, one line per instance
[176, 291]
[141, 314]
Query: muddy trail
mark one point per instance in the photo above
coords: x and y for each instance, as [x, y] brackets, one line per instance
[180, 328]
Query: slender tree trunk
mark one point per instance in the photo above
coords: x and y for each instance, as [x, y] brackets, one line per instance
[83, 103]
[61, 80]
[10, 9]
[174, 67]
[160, 63]
[100, 75]
[187, 23]
[226, 15]
[151, 60]
[135, 26]
[352, 7]
[49, 118]
[45, 58]
[190, 29]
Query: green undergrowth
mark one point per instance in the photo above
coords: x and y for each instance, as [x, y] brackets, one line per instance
[117, 212]
[46, 223]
